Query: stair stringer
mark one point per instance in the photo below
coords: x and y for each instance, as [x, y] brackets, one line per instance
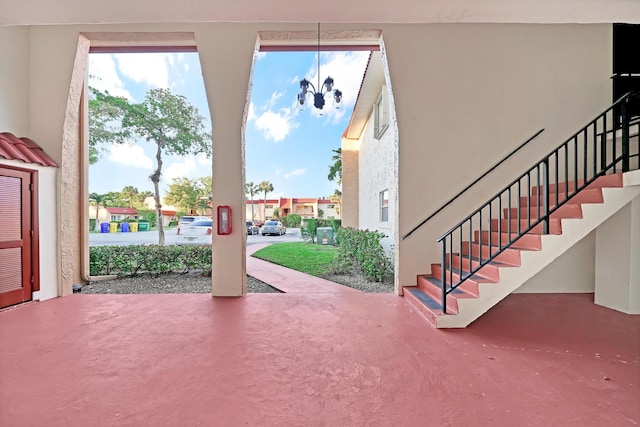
[532, 262]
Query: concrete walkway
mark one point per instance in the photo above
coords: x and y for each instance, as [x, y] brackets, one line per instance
[287, 280]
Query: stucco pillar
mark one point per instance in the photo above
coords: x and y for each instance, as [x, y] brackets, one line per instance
[350, 183]
[618, 260]
[226, 69]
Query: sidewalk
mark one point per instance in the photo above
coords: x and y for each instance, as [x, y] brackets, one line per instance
[287, 280]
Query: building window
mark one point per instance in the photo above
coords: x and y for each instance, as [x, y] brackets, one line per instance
[331, 206]
[381, 117]
[268, 206]
[384, 206]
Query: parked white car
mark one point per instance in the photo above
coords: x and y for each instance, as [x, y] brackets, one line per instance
[197, 232]
[188, 219]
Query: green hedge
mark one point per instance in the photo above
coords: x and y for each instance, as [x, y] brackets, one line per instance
[362, 249]
[136, 259]
[310, 226]
[291, 220]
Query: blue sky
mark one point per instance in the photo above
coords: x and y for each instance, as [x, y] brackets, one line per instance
[288, 147]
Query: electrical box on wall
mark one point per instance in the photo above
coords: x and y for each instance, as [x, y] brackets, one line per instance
[224, 220]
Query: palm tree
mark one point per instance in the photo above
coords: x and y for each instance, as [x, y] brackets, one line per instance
[336, 198]
[130, 192]
[251, 189]
[267, 187]
[98, 199]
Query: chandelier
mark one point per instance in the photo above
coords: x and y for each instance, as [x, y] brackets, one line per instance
[318, 94]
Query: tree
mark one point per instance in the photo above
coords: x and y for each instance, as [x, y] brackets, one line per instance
[335, 169]
[131, 193]
[251, 189]
[276, 212]
[204, 188]
[99, 199]
[182, 194]
[266, 187]
[190, 195]
[336, 198]
[167, 120]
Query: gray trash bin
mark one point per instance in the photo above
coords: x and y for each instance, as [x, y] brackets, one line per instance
[324, 236]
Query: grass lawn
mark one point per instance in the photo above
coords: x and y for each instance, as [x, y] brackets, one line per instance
[306, 257]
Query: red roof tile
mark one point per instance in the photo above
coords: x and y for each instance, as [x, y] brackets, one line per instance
[24, 149]
[127, 211]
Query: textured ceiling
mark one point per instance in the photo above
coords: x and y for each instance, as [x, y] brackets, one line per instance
[46, 12]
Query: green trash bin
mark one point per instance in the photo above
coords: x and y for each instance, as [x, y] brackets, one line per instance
[143, 226]
[324, 236]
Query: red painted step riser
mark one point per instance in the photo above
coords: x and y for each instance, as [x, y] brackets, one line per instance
[469, 286]
[585, 196]
[528, 242]
[436, 294]
[424, 311]
[566, 211]
[509, 256]
[490, 272]
[555, 226]
[611, 181]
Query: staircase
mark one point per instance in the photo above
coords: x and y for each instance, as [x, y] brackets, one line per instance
[532, 221]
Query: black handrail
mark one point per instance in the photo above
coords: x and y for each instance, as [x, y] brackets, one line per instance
[453, 199]
[590, 141]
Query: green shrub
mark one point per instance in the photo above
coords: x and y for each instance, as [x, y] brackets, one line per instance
[155, 260]
[291, 221]
[92, 224]
[308, 230]
[362, 249]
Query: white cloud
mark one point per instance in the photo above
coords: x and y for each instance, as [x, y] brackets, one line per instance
[347, 70]
[279, 171]
[203, 160]
[260, 55]
[296, 172]
[296, 80]
[252, 112]
[130, 155]
[276, 126]
[104, 77]
[274, 98]
[184, 168]
[150, 68]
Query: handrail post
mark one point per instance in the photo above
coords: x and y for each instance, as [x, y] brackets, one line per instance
[545, 195]
[625, 135]
[444, 275]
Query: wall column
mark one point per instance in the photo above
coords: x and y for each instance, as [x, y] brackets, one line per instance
[618, 260]
[226, 55]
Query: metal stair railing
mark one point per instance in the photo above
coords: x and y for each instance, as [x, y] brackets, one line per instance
[599, 148]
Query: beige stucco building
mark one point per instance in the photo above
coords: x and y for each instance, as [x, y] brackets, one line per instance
[465, 82]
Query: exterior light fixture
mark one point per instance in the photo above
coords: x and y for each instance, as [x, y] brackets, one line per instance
[318, 94]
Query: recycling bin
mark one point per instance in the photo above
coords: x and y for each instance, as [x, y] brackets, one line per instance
[143, 226]
[104, 227]
[324, 236]
[113, 227]
[124, 227]
[133, 226]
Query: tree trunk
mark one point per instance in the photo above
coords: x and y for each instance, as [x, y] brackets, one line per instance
[96, 226]
[253, 216]
[155, 178]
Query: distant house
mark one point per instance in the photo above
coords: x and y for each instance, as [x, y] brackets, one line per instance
[112, 214]
[169, 212]
[306, 207]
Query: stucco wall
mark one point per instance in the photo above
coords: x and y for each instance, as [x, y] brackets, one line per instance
[470, 95]
[376, 174]
[14, 80]
[465, 94]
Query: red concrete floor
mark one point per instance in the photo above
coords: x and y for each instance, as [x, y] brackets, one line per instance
[349, 359]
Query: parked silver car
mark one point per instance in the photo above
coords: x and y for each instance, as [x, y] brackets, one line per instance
[274, 228]
[252, 229]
